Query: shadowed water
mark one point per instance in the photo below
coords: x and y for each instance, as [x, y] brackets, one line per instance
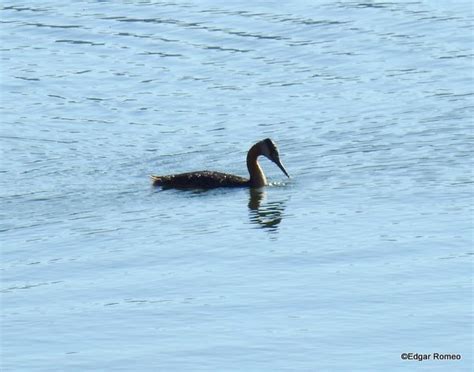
[364, 254]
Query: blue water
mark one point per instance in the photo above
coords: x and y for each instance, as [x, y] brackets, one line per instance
[364, 254]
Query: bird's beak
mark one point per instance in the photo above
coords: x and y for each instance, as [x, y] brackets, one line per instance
[280, 165]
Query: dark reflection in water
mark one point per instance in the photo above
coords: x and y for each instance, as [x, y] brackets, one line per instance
[267, 216]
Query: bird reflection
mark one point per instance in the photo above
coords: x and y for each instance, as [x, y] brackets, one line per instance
[267, 216]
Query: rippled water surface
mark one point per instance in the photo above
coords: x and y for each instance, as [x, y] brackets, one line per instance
[364, 254]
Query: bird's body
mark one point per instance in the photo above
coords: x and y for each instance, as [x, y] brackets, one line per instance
[200, 179]
[209, 179]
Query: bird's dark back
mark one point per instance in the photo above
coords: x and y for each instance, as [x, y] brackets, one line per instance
[200, 179]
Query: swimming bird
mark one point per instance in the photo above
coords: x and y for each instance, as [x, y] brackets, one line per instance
[209, 179]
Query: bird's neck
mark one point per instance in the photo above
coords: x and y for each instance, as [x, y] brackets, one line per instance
[257, 177]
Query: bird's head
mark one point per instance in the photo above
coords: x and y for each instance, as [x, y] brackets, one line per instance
[269, 149]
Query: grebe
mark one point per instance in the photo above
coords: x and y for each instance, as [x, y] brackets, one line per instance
[210, 180]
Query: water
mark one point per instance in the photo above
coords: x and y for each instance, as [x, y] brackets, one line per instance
[364, 254]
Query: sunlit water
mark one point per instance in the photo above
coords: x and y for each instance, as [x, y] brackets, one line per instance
[364, 254]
